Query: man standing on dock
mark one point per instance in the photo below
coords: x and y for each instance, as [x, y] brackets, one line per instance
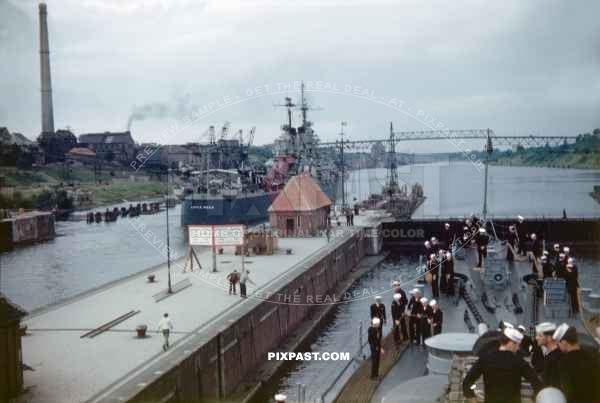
[245, 278]
[374, 337]
[164, 327]
[502, 371]
[233, 279]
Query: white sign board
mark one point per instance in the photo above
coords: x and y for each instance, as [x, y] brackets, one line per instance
[223, 235]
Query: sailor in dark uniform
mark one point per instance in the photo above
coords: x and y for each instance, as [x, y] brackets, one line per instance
[511, 240]
[526, 344]
[554, 253]
[433, 268]
[437, 317]
[502, 371]
[374, 337]
[572, 278]
[447, 237]
[465, 238]
[447, 277]
[415, 310]
[435, 245]
[482, 243]
[561, 265]
[425, 320]
[378, 310]
[399, 324]
[547, 268]
[427, 249]
[579, 374]
[521, 236]
[550, 367]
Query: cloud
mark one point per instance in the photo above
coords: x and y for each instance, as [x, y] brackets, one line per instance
[512, 66]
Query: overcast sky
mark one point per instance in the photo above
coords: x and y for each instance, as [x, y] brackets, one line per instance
[516, 66]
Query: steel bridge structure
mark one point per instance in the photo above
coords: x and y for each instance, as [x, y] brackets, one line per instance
[456, 136]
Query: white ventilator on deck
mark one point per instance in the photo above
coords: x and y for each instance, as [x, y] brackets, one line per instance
[443, 347]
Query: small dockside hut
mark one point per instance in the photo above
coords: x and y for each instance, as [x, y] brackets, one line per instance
[11, 370]
[301, 209]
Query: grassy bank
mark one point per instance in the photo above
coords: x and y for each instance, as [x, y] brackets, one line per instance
[570, 160]
[29, 188]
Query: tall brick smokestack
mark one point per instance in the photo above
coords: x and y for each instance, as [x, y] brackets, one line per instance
[46, 82]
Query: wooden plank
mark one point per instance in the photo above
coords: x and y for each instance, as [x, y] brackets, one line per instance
[106, 326]
[360, 388]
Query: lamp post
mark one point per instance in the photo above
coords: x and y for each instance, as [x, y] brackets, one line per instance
[170, 290]
[343, 167]
[489, 148]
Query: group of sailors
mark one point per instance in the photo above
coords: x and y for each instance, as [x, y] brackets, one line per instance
[555, 263]
[425, 318]
[561, 371]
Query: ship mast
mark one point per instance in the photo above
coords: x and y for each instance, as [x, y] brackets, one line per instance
[392, 175]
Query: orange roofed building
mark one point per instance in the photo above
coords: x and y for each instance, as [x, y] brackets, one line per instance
[301, 209]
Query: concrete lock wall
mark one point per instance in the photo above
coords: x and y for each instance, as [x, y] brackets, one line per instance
[409, 233]
[209, 376]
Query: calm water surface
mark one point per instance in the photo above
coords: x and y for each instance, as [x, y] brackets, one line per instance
[84, 256]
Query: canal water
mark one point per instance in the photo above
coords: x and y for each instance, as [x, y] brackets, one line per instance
[84, 256]
[324, 379]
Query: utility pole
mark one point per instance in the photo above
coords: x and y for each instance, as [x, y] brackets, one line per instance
[488, 152]
[343, 166]
[170, 290]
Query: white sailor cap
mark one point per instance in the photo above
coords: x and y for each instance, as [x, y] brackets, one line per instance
[533, 236]
[550, 394]
[448, 255]
[447, 225]
[378, 298]
[566, 249]
[545, 327]
[415, 291]
[513, 334]
[507, 325]
[556, 246]
[561, 255]
[427, 243]
[397, 297]
[280, 398]
[465, 228]
[432, 256]
[521, 218]
[571, 260]
[521, 328]
[433, 302]
[560, 331]
[545, 253]
[395, 283]
[544, 258]
[375, 322]
[424, 300]
[433, 239]
[482, 230]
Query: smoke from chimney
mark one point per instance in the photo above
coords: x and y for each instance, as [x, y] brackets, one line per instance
[46, 82]
[157, 110]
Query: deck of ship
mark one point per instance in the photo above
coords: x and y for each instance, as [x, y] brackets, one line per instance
[410, 364]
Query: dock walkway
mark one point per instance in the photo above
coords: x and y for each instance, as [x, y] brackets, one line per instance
[69, 368]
